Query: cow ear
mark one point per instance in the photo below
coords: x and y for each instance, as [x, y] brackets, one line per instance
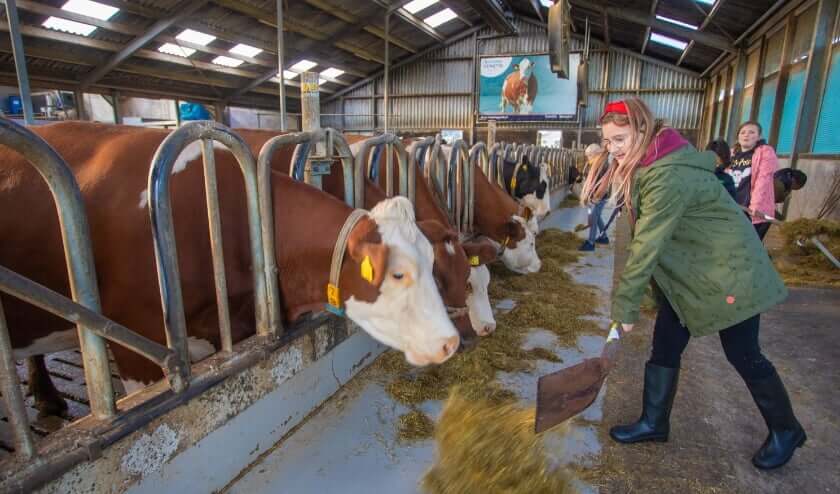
[366, 248]
[482, 251]
[435, 232]
[541, 189]
[513, 230]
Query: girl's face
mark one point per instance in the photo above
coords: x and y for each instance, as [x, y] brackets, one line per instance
[748, 137]
[618, 140]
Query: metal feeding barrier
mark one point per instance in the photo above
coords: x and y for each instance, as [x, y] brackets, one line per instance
[84, 310]
[368, 164]
[164, 234]
[462, 188]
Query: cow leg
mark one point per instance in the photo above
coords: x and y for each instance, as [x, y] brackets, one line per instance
[48, 400]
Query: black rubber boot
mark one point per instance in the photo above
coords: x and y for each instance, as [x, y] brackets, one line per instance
[786, 434]
[660, 388]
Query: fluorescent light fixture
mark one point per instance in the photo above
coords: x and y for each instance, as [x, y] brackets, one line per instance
[178, 51]
[332, 72]
[707, 2]
[444, 15]
[302, 66]
[195, 37]
[68, 26]
[245, 50]
[227, 61]
[91, 9]
[547, 3]
[418, 5]
[288, 74]
[665, 40]
[678, 23]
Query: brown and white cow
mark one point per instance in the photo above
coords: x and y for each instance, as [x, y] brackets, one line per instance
[520, 88]
[401, 307]
[451, 265]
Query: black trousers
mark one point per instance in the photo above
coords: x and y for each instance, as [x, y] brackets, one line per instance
[740, 344]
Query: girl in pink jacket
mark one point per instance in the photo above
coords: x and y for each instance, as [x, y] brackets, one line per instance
[752, 167]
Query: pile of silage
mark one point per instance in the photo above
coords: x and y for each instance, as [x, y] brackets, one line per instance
[802, 263]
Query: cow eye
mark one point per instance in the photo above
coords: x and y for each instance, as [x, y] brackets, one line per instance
[397, 276]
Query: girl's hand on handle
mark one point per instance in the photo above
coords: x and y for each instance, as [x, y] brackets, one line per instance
[627, 328]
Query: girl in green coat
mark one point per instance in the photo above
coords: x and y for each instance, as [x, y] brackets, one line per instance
[709, 269]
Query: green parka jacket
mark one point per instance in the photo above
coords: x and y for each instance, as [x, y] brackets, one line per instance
[699, 247]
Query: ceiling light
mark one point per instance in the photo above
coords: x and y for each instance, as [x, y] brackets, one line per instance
[665, 40]
[68, 26]
[302, 66]
[332, 72]
[245, 50]
[288, 74]
[418, 5]
[444, 15]
[91, 9]
[678, 23]
[178, 51]
[227, 61]
[195, 37]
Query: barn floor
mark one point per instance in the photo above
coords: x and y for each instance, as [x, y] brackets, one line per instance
[350, 444]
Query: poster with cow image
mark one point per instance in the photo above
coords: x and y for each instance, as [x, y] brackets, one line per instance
[523, 88]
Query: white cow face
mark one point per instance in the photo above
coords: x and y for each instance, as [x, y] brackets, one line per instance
[523, 258]
[526, 68]
[478, 301]
[408, 314]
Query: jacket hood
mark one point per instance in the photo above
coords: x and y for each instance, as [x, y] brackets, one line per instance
[671, 148]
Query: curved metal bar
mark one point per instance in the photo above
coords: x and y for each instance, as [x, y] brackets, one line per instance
[461, 164]
[163, 231]
[407, 185]
[337, 147]
[75, 237]
[509, 151]
[418, 150]
[436, 173]
[493, 161]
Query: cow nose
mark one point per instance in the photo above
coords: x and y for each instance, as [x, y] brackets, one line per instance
[488, 328]
[450, 345]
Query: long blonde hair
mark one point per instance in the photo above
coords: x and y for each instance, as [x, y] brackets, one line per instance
[620, 176]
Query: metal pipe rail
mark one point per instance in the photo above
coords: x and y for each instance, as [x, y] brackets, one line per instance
[436, 173]
[364, 166]
[460, 164]
[163, 232]
[304, 142]
[480, 157]
[75, 236]
[418, 151]
[494, 169]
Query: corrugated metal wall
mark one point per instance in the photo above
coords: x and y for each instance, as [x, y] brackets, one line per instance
[437, 91]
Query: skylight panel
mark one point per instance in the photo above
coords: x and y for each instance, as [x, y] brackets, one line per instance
[665, 40]
[68, 26]
[418, 5]
[195, 37]
[91, 9]
[288, 74]
[227, 61]
[332, 72]
[678, 23]
[441, 17]
[707, 2]
[178, 51]
[302, 66]
[322, 81]
[547, 3]
[245, 50]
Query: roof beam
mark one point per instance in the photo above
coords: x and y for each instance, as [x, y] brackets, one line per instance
[292, 25]
[606, 28]
[358, 24]
[413, 21]
[407, 60]
[535, 4]
[703, 26]
[653, 8]
[184, 10]
[459, 10]
[649, 20]
[491, 13]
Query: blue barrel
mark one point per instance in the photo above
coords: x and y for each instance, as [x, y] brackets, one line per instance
[15, 105]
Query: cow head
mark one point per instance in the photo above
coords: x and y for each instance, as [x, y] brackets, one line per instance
[407, 313]
[536, 197]
[480, 252]
[520, 252]
[526, 68]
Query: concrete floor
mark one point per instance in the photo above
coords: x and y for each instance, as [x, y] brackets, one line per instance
[350, 447]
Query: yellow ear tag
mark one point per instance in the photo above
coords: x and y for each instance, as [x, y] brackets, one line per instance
[333, 295]
[474, 261]
[513, 183]
[367, 269]
[507, 241]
